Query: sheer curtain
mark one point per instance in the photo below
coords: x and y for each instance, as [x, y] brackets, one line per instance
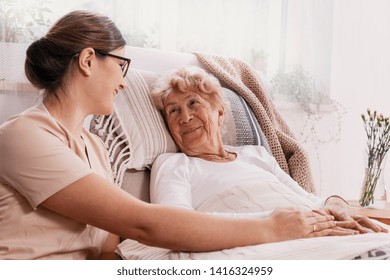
[226, 27]
[272, 35]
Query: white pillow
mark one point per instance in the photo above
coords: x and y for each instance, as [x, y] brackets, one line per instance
[145, 126]
[147, 133]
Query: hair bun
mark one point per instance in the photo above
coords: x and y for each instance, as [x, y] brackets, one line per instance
[41, 65]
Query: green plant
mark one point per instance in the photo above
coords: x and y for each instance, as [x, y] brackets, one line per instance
[318, 109]
[142, 39]
[20, 21]
[298, 86]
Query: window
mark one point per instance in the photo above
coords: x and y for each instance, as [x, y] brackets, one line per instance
[276, 37]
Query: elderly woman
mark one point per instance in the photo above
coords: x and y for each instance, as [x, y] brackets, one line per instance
[209, 176]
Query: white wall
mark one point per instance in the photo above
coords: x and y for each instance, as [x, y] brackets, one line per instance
[360, 79]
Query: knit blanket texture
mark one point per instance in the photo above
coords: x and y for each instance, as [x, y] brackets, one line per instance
[242, 78]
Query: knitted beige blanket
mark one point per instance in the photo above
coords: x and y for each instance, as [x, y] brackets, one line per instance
[242, 78]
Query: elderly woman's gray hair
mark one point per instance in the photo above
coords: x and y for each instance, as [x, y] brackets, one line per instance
[187, 79]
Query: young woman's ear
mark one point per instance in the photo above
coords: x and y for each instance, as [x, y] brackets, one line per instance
[86, 60]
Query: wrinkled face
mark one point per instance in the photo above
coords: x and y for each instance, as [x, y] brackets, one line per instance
[193, 122]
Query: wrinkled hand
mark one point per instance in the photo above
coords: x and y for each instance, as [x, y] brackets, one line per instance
[291, 224]
[346, 219]
[338, 228]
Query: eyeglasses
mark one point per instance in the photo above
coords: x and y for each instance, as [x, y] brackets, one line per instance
[126, 61]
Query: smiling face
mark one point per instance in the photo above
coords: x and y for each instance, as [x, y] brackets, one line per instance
[107, 82]
[194, 122]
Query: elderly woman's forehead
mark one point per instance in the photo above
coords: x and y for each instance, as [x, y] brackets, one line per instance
[183, 94]
[178, 97]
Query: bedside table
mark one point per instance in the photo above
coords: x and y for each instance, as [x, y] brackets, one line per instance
[382, 215]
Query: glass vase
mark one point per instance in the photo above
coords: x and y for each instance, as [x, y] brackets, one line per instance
[373, 194]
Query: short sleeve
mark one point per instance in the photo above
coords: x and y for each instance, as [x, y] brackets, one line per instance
[169, 181]
[37, 159]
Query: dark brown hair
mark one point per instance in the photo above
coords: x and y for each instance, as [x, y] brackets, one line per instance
[49, 58]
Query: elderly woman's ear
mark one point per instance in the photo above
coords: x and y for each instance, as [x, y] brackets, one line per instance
[221, 113]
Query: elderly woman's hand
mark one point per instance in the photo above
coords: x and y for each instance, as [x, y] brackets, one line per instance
[346, 218]
[291, 223]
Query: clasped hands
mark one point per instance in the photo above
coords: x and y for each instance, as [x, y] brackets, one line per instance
[335, 219]
[346, 222]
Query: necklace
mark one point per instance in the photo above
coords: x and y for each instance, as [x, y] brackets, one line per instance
[218, 157]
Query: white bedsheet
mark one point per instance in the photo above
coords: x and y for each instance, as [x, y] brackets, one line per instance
[320, 248]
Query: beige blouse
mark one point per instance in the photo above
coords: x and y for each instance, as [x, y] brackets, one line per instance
[39, 157]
